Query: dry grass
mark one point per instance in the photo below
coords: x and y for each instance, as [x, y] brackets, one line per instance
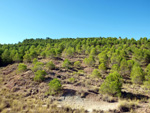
[128, 105]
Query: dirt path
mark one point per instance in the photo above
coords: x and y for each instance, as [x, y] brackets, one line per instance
[90, 103]
[77, 102]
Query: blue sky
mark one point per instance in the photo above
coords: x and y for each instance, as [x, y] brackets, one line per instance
[21, 19]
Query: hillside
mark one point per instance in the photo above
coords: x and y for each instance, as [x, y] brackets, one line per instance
[75, 75]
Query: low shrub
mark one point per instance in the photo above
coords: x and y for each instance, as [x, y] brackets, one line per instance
[50, 65]
[77, 64]
[54, 86]
[35, 60]
[96, 73]
[37, 66]
[22, 67]
[112, 85]
[39, 75]
[72, 80]
[66, 63]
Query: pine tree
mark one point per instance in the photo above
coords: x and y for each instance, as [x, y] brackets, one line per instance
[137, 75]
[102, 68]
[112, 84]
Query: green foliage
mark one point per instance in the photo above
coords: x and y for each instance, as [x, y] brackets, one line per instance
[6, 56]
[22, 67]
[137, 75]
[112, 84]
[124, 70]
[43, 54]
[147, 76]
[33, 54]
[147, 71]
[17, 58]
[27, 58]
[54, 86]
[102, 57]
[130, 63]
[38, 66]
[114, 68]
[35, 60]
[51, 53]
[96, 74]
[66, 63]
[115, 59]
[39, 75]
[89, 61]
[58, 52]
[77, 64]
[50, 65]
[72, 80]
[68, 52]
[78, 48]
[141, 55]
[93, 51]
[102, 68]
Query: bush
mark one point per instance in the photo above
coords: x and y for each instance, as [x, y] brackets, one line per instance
[50, 65]
[93, 51]
[96, 73]
[66, 63]
[124, 70]
[51, 53]
[72, 80]
[17, 58]
[130, 63]
[112, 84]
[137, 76]
[89, 61]
[147, 77]
[39, 75]
[103, 58]
[35, 60]
[54, 86]
[69, 52]
[147, 72]
[37, 66]
[77, 64]
[102, 68]
[114, 68]
[27, 58]
[22, 67]
[115, 59]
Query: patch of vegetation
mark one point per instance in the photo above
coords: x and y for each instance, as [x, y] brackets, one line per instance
[72, 80]
[112, 84]
[137, 75]
[77, 64]
[54, 86]
[22, 67]
[90, 61]
[37, 66]
[39, 75]
[35, 60]
[96, 74]
[50, 65]
[102, 68]
[66, 64]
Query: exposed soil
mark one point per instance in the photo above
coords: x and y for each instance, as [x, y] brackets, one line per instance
[83, 93]
[76, 102]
